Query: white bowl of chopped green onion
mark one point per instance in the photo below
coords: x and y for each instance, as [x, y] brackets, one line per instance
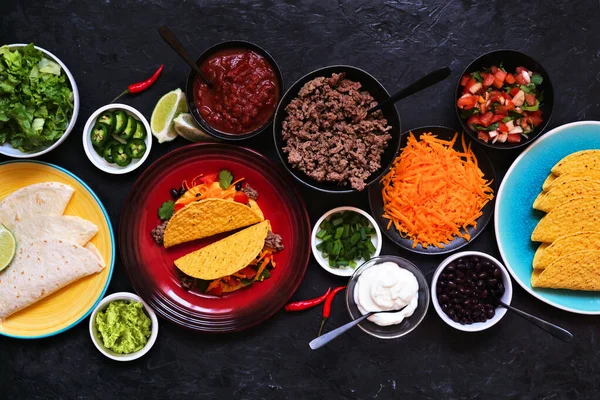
[344, 238]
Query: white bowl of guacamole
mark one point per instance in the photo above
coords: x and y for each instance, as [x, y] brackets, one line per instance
[123, 327]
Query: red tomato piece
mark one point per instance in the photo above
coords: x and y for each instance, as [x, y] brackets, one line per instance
[497, 118]
[498, 82]
[178, 206]
[514, 138]
[241, 197]
[474, 120]
[510, 79]
[502, 127]
[489, 80]
[483, 136]
[467, 102]
[494, 69]
[514, 91]
[464, 80]
[530, 99]
[520, 80]
[500, 75]
[503, 110]
[537, 113]
[536, 120]
[518, 70]
[486, 119]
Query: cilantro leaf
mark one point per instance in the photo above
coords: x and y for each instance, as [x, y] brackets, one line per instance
[166, 210]
[514, 114]
[537, 79]
[465, 114]
[225, 179]
[477, 76]
[529, 88]
[492, 127]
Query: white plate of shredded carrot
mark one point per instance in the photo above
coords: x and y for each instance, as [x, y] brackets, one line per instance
[437, 195]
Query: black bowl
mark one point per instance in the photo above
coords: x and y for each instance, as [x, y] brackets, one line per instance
[485, 165]
[189, 89]
[379, 93]
[510, 60]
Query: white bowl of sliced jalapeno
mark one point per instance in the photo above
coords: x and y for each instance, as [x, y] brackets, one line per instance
[344, 238]
[117, 138]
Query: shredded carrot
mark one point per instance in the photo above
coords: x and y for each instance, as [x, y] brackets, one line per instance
[434, 192]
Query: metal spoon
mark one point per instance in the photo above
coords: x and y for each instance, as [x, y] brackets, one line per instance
[329, 336]
[554, 330]
[169, 37]
[428, 80]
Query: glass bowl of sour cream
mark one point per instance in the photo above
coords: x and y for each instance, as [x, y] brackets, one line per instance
[388, 283]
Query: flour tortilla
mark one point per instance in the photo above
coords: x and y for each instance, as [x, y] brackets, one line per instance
[65, 227]
[47, 198]
[39, 269]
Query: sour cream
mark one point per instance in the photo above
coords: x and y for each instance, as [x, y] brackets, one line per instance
[383, 287]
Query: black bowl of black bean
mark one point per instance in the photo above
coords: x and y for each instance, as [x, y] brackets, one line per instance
[465, 290]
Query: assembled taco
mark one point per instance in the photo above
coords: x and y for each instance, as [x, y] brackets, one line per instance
[233, 262]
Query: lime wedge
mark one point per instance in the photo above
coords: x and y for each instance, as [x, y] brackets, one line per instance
[168, 107]
[8, 247]
[186, 127]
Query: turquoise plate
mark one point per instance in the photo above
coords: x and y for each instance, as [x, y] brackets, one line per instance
[515, 218]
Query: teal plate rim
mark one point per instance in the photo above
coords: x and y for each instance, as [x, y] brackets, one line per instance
[590, 301]
[112, 242]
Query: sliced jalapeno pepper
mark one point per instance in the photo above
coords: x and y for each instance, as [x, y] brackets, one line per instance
[99, 150]
[129, 128]
[120, 155]
[140, 131]
[107, 152]
[99, 135]
[121, 118]
[135, 148]
[107, 118]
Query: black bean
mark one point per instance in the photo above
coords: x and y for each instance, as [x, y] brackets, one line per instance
[445, 307]
[479, 284]
[483, 294]
[444, 298]
[442, 283]
[492, 282]
[175, 194]
[490, 313]
[460, 265]
[438, 289]
[451, 277]
[451, 312]
[238, 186]
[451, 284]
[482, 275]
[475, 259]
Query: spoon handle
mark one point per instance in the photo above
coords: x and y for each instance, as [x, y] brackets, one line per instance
[329, 336]
[169, 37]
[554, 330]
[423, 83]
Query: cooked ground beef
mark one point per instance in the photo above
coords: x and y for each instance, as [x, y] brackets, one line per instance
[329, 135]
[158, 233]
[251, 193]
[187, 282]
[274, 241]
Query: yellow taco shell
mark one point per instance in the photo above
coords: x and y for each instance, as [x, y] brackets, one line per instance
[546, 254]
[226, 256]
[575, 271]
[562, 191]
[552, 179]
[209, 217]
[575, 215]
[579, 161]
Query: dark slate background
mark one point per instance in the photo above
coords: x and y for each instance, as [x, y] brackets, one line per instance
[108, 44]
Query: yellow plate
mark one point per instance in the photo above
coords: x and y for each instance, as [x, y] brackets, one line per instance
[70, 305]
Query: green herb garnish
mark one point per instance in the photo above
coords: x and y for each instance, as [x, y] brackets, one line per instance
[537, 79]
[492, 127]
[478, 76]
[166, 210]
[225, 179]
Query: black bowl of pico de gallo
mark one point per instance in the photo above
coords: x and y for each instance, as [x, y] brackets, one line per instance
[246, 88]
[504, 99]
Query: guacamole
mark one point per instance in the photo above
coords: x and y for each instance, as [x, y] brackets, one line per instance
[123, 326]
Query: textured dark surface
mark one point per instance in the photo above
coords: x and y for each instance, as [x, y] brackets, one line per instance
[108, 44]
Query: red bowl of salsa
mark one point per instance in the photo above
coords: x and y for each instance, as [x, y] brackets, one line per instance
[246, 88]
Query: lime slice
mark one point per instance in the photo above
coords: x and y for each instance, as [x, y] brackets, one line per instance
[168, 107]
[186, 127]
[8, 247]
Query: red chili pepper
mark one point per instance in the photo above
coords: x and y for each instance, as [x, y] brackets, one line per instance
[306, 304]
[143, 85]
[327, 306]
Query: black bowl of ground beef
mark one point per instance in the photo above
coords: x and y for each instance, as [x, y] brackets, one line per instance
[324, 136]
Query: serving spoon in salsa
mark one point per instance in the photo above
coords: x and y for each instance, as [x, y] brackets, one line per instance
[329, 336]
[169, 37]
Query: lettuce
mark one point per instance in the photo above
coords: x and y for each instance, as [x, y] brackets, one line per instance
[36, 100]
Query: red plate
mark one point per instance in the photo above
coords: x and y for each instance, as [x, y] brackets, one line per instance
[151, 269]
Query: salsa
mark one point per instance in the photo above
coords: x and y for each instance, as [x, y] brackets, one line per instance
[245, 91]
[501, 106]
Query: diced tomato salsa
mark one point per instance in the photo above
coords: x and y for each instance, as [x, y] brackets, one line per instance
[501, 106]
